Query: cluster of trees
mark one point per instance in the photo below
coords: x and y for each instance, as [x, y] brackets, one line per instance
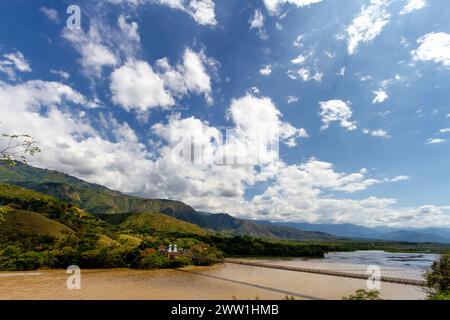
[31, 253]
[198, 255]
[40, 252]
[249, 246]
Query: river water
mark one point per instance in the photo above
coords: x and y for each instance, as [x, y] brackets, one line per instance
[224, 282]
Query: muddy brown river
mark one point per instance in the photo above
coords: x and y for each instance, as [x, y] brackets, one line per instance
[223, 282]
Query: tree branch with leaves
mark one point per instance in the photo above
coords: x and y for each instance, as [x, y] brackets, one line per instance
[15, 147]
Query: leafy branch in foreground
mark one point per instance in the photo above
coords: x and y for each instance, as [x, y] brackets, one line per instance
[15, 147]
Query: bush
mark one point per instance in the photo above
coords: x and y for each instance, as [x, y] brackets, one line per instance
[61, 258]
[442, 296]
[180, 261]
[14, 258]
[154, 260]
[204, 255]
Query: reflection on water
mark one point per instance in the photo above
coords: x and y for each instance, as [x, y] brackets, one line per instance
[385, 259]
[223, 282]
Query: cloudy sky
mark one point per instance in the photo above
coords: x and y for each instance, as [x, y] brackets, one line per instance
[357, 90]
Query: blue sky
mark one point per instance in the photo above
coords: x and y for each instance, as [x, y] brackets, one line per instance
[357, 90]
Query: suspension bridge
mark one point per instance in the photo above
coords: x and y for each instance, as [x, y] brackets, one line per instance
[328, 272]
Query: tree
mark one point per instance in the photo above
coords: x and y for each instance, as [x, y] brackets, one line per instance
[438, 279]
[15, 147]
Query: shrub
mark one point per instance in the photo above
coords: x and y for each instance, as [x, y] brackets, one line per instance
[14, 258]
[204, 255]
[180, 261]
[442, 296]
[154, 260]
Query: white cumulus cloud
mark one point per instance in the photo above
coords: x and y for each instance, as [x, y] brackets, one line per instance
[257, 22]
[413, 5]
[95, 55]
[190, 76]
[380, 96]
[13, 62]
[136, 86]
[266, 71]
[368, 24]
[202, 11]
[273, 6]
[50, 13]
[377, 133]
[436, 141]
[433, 47]
[337, 111]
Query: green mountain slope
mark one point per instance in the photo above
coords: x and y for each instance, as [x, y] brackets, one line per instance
[152, 221]
[17, 223]
[18, 207]
[91, 197]
[27, 212]
[100, 200]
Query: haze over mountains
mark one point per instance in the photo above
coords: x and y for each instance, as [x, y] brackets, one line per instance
[113, 205]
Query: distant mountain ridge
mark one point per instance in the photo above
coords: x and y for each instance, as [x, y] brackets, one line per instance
[348, 230]
[101, 201]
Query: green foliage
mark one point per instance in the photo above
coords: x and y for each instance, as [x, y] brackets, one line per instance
[154, 260]
[442, 296]
[157, 260]
[21, 198]
[362, 294]
[249, 246]
[204, 255]
[438, 279]
[3, 211]
[12, 258]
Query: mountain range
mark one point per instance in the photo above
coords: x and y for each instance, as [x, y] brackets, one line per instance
[113, 206]
[348, 230]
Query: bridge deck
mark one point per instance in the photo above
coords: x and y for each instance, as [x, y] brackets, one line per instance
[327, 272]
